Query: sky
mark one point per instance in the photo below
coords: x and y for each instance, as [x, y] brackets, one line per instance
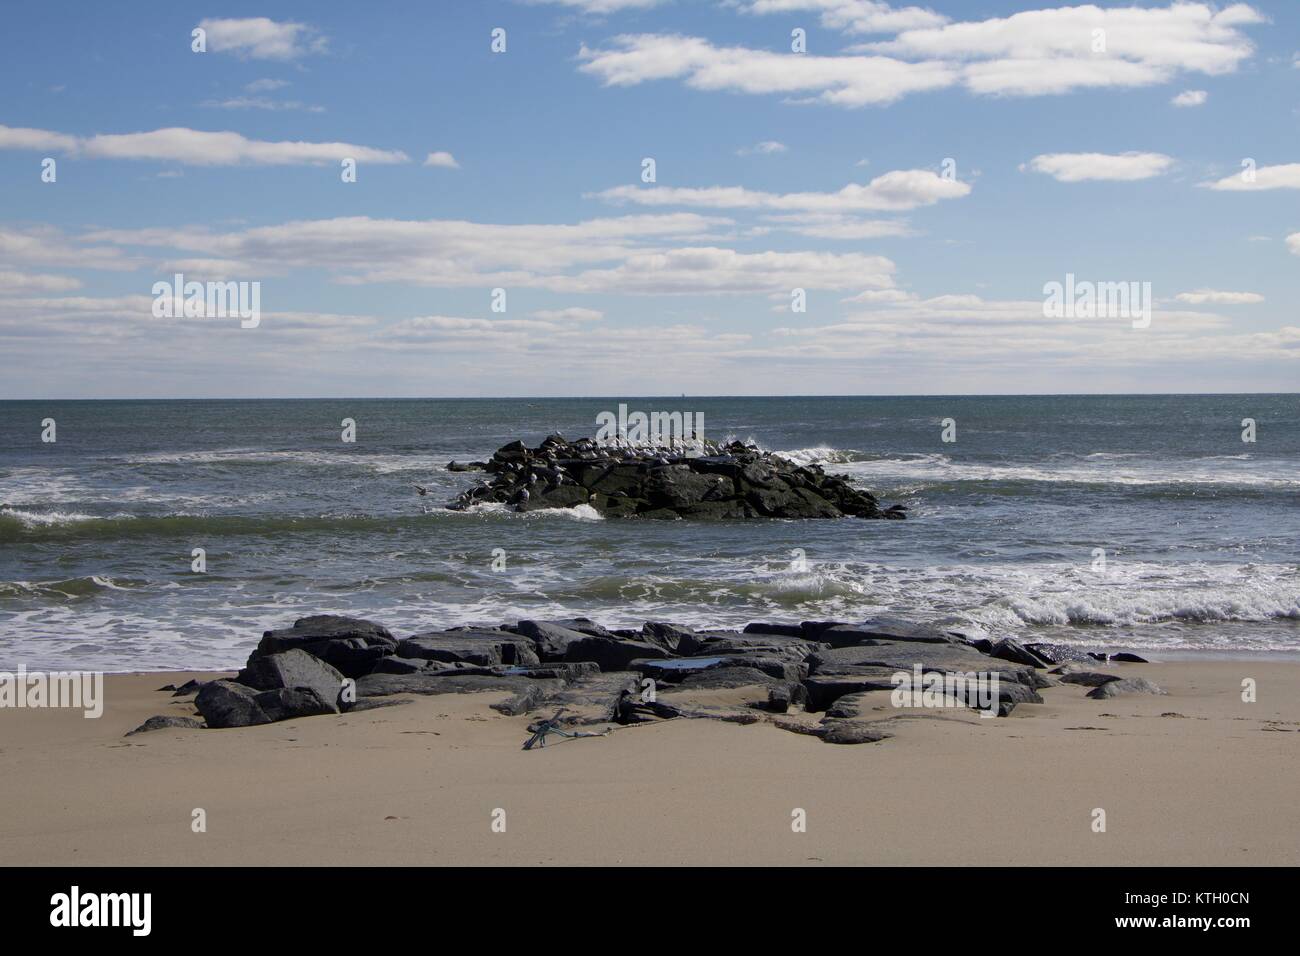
[848, 197]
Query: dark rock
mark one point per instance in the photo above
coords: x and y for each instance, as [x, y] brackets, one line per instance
[293, 670]
[286, 703]
[189, 687]
[720, 678]
[716, 643]
[1058, 653]
[350, 645]
[723, 483]
[677, 669]
[373, 703]
[1124, 657]
[1009, 650]
[785, 630]
[165, 722]
[551, 639]
[1088, 678]
[668, 636]
[852, 732]
[781, 697]
[610, 654]
[225, 703]
[525, 693]
[399, 665]
[1127, 685]
[883, 629]
[596, 699]
[483, 648]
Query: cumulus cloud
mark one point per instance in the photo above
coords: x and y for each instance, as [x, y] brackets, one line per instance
[260, 38]
[841, 80]
[196, 148]
[1033, 53]
[851, 16]
[899, 190]
[1190, 98]
[1216, 297]
[1293, 243]
[1079, 167]
[443, 160]
[1286, 176]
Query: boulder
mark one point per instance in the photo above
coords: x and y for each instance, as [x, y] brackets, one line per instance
[1057, 653]
[350, 645]
[1088, 678]
[165, 722]
[551, 639]
[225, 704]
[1124, 657]
[782, 697]
[286, 703]
[484, 648]
[293, 670]
[1126, 685]
[610, 654]
[1009, 650]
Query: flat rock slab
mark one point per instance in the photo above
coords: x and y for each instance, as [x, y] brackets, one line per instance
[1126, 685]
[899, 655]
[526, 692]
[612, 654]
[1088, 678]
[715, 643]
[483, 648]
[594, 700]
[893, 630]
[165, 722]
[676, 670]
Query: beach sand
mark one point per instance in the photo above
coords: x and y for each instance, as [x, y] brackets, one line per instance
[1197, 777]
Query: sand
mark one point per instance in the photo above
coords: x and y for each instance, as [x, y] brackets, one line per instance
[1193, 778]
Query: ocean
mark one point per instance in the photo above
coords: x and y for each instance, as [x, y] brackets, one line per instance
[1142, 522]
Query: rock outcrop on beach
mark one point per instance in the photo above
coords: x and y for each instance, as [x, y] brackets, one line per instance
[829, 679]
[713, 482]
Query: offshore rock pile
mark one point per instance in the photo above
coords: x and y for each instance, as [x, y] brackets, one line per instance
[828, 679]
[701, 479]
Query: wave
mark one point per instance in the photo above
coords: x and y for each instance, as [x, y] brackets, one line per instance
[68, 589]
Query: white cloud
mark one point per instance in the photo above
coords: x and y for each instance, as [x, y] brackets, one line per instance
[765, 148]
[1033, 53]
[260, 38]
[196, 148]
[1190, 98]
[13, 283]
[840, 80]
[899, 190]
[261, 103]
[599, 7]
[851, 16]
[1293, 243]
[573, 314]
[1216, 297]
[17, 137]
[442, 160]
[1079, 167]
[47, 246]
[1286, 176]
[817, 225]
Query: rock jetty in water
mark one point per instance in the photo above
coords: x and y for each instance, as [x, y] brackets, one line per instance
[621, 481]
[833, 680]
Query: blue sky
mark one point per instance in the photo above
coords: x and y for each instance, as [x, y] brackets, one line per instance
[775, 170]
